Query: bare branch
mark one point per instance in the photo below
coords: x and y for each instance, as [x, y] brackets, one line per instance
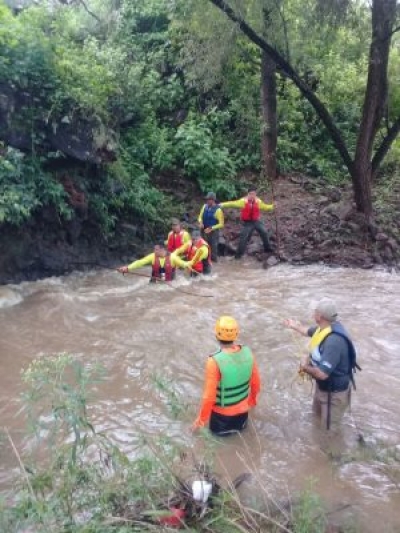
[287, 70]
[385, 145]
[85, 7]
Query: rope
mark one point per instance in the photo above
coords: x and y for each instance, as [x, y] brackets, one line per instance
[300, 376]
[158, 279]
[270, 182]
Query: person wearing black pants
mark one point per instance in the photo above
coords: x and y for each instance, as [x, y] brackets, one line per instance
[211, 220]
[251, 207]
[248, 228]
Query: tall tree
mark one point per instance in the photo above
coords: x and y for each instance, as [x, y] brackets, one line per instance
[364, 165]
[269, 131]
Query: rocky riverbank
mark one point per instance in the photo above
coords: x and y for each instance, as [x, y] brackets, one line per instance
[313, 222]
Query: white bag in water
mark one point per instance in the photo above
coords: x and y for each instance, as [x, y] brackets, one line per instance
[201, 490]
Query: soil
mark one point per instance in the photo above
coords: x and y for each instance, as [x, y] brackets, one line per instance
[313, 222]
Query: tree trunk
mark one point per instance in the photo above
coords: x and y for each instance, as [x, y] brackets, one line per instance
[362, 190]
[383, 17]
[361, 168]
[268, 109]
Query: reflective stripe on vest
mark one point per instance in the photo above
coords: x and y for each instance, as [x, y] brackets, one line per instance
[250, 211]
[175, 240]
[167, 269]
[191, 252]
[236, 369]
[209, 218]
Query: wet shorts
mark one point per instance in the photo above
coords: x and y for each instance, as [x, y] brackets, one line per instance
[226, 425]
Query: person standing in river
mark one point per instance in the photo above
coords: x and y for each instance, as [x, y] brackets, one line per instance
[211, 220]
[177, 236]
[197, 252]
[251, 207]
[232, 383]
[331, 362]
[163, 265]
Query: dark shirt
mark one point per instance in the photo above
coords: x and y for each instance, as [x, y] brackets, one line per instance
[335, 361]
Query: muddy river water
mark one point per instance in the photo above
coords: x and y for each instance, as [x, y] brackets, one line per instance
[136, 331]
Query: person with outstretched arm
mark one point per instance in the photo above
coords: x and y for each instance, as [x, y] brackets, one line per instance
[251, 207]
[163, 264]
[331, 363]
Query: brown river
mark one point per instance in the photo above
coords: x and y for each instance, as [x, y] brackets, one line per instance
[137, 330]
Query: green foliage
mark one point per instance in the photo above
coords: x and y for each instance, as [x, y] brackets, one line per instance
[151, 145]
[211, 165]
[136, 192]
[25, 53]
[84, 484]
[182, 86]
[59, 386]
[308, 514]
[25, 187]
[173, 399]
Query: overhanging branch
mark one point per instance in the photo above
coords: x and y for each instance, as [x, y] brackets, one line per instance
[288, 71]
[385, 145]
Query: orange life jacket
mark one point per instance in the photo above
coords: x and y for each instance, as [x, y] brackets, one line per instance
[158, 271]
[250, 211]
[191, 252]
[175, 240]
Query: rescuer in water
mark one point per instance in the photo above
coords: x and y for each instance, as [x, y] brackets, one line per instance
[232, 382]
[331, 362]
[198, 254]
[163, 264]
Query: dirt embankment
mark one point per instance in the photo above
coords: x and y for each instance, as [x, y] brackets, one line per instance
[312, 223]
[316, 223]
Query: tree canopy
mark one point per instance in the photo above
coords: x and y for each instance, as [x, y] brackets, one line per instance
[123, 92]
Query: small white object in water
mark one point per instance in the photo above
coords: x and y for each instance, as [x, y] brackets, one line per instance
[201, 490]
[8, 297]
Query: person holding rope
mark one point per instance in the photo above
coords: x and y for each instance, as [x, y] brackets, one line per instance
[251, 207]
[198, 254]
[232, 383]
[211, 220]
[163, 264]
[331, 362]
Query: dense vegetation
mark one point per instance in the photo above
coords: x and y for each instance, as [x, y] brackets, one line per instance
[171, 89]
[84, 483]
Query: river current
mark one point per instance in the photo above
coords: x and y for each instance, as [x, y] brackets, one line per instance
[137, 330]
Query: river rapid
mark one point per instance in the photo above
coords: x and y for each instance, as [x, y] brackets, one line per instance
[137, 330]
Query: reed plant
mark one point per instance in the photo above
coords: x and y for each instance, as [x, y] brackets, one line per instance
[74, 479]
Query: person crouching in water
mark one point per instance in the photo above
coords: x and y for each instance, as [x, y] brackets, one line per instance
[163, 265]
[198, 254]
[232, 383]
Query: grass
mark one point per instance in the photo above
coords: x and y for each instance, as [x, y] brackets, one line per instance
[85, 484]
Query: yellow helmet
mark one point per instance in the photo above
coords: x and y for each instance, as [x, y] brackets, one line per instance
[226, 329]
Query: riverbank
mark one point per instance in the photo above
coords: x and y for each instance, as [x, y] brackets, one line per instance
[318, 223]
[314, 222]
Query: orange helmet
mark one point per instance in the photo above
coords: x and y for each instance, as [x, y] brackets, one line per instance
[226, 329]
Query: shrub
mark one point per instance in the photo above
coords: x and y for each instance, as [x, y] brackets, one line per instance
[25, 187]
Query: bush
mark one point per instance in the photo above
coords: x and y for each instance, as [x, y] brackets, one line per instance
[211, 165]
[25, 187]
[85, 484]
